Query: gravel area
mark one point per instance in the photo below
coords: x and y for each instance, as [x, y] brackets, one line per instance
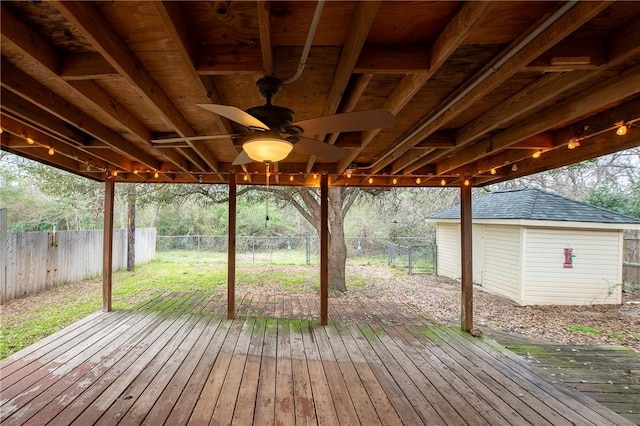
[439, 298]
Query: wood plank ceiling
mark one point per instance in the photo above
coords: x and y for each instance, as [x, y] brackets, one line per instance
[477, 88]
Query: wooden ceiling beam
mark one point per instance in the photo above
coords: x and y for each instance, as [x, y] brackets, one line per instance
[96, 29]
[513, 59]
[32, 44]
[544, 89]
[23, 130]
[570, 55]
[37, 120]
[451, 37]
[597, 146]
[264, 25]
[86, 66]
[28, 88]
[174, 22]
[360, 25]
[603, 95]
[393, 60]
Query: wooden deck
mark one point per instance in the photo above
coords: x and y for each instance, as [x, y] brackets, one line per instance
[177, 360]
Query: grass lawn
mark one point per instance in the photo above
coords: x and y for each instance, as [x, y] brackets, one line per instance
[25, 321]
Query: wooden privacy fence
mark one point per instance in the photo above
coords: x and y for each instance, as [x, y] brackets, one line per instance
[32, 262]
[631, 265]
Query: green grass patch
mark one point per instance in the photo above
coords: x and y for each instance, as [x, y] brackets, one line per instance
[582, 329]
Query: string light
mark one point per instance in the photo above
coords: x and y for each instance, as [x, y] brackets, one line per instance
[245, 177]
[418, 181]
[114, 173]
[537, 154]
[291, 178]
[315, 176]
[349, 172]
[1, 130]
[156, 174]
[493, 171]
[30, 141]
[443, 182]
[514, 168]
[395, 181]
[622, 130]
[370, 180]
[199, 178]
[466, 182]
[573, 143]
[136, 171]
[51, 151]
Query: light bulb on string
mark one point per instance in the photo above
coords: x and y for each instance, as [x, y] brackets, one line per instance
[493, 171]
[394, 181]
[443, 182]
[537, 154]
[370, 180]
[30, 141]
[622, 130]
[291, 178]
[245, 177]
[51, 151]
[514, 168]
[156, 174]
[573, 143]
[418, 181]
[467, 182]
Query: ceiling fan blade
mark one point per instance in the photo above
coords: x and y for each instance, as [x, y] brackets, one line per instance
[348, 122]
[190, 139]
[241, 159]
[308, 146]
[235, 114]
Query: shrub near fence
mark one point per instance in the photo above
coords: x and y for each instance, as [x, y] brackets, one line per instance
[30, 264]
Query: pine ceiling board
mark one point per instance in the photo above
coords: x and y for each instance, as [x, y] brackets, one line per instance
[498, 95]
[506, 22]
[290, 22]
[216, 23]
[45, 18]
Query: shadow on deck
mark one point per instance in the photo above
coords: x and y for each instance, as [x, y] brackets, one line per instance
[176, 360]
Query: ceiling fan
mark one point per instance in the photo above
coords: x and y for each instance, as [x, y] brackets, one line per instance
[271, 135]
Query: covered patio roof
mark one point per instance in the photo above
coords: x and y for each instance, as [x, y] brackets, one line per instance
[476, 88]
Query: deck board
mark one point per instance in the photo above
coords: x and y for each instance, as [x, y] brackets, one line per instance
[176, 359]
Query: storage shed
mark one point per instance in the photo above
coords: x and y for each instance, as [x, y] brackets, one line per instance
[538, 248]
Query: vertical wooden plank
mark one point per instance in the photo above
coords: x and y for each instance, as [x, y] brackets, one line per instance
[324, 249]
[466, 255]
[107, 245]
[4, 255]
[231, 249]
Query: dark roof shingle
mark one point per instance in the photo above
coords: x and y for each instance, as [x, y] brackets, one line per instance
[535, 204]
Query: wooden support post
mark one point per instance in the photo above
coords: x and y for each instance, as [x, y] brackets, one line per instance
[231, 249]
[107, 245]
[466, 230]
[324, 249]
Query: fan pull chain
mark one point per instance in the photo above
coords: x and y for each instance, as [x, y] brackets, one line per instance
[266, 203]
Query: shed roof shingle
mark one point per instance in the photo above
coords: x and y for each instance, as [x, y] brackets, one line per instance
[535, 204]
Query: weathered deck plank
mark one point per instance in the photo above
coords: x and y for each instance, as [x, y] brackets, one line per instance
[177, 360]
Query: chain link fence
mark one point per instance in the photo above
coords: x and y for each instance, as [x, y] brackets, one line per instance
[415, 255]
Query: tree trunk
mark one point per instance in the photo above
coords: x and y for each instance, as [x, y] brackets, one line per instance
[337, 245]
[131, 228]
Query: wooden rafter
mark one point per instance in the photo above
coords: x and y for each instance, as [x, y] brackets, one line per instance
[492, 76]
[451, 37]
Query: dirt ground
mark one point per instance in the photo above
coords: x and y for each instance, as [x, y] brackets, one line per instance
[439, 298]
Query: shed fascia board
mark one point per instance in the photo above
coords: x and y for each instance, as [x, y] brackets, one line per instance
[545, 223]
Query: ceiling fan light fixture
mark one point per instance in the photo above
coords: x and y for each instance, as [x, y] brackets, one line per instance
[267, 149]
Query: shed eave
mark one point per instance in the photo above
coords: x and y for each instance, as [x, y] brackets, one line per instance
[545, 223]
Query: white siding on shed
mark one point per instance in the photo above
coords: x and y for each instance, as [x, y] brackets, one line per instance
[448, 240]
[502, 261]
[595, 276]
